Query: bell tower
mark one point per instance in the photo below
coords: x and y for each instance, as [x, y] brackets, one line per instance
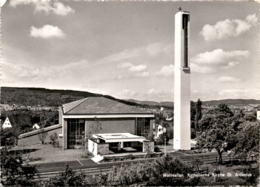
[182, 134]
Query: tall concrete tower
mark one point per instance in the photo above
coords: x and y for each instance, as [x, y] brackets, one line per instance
[181, 83]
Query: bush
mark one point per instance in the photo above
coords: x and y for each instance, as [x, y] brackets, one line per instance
[157, 149]
[14, 171]
[161, 140]
[68, 178]
[8, 137]
[54, 140]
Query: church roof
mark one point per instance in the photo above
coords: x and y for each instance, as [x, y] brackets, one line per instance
[101, 105]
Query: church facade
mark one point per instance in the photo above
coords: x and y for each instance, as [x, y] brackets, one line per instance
[83, 118]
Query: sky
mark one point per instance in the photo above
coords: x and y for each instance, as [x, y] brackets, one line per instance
[126, 49]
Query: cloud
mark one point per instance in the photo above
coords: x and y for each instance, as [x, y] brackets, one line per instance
[158, 94]
[150, 94]
[239, 93]
[126, 93]
[148, 51]
[211, 61]
[133, 68]
[143, 74]
[46, 6]
[228, 28]
[125, 65]
[35, 74]
[228, 79]
[166, 70]
[138, 70]
[201, 69]
[47, 31]
[219, 56]
[155, 49]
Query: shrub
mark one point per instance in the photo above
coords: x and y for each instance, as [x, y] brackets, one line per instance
[68, 178]
[157, 149]
[161, 140]
[54, 140]
[14, 171]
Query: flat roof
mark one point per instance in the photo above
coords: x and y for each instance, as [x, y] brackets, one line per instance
[119, 137]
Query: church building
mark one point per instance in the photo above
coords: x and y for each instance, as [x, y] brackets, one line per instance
[100, 115]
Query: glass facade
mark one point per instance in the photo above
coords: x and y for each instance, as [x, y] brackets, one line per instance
[76, 132]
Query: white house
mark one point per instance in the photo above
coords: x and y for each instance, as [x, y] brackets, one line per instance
[258, 115]
[36, 126]
[7, 123]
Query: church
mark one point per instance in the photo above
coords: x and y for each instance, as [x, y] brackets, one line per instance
[83, 118]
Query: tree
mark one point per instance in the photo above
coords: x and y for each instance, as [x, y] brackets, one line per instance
[8, 137]
[152, 173]
[14, 171]
[198, 114]
[248, 140]
[219, 134]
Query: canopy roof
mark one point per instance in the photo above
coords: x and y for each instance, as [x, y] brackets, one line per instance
[119, 137]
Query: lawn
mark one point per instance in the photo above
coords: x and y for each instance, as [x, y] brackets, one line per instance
[45, 153]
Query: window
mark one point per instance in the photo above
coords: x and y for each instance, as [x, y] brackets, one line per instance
[143, 127]
[76, 132]
[185, 21]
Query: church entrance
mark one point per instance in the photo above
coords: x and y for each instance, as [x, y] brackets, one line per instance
[76, 133]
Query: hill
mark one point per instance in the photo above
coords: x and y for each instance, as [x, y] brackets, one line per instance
[49, 97]
[166, 104]
[233, 102]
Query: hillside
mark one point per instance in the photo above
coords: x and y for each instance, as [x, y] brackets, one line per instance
[233, 102]
[49, 97]
[166, 104]
[169, 104]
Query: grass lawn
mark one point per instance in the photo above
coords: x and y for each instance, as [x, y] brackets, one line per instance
[47, 153]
